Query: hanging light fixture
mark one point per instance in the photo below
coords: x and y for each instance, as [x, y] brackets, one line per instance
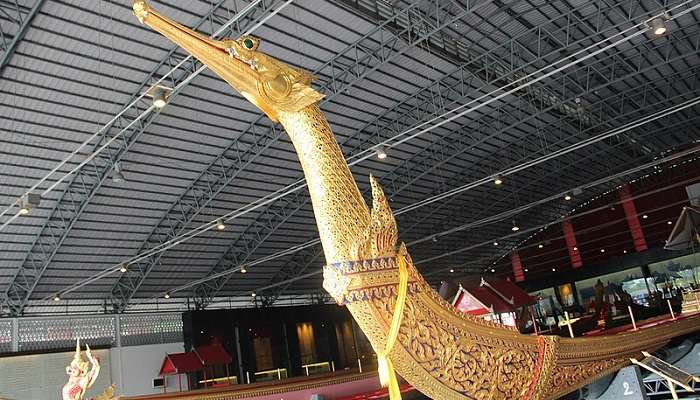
[540, 245]
[57, 297]
[658, 26]
[167, 295]
[123, 268]
[28, 202]
[253, 294]
[452, 270]
[243, 270]
[493, 270]
[160, 95]
[498, 180]
[159, 98]
[515, 227]
[495, 243]
[381, 153]
[567, 197]
[220, 225]
[117, 175]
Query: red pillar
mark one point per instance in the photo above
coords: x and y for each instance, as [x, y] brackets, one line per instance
[570, 238]
[517, 266]
[640, 244]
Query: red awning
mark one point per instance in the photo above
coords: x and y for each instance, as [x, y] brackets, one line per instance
[212, 354]
[180, 363]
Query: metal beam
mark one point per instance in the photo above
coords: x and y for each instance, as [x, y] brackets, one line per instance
[445, 93]
[353, 64]
[20, 17]
[135, 117]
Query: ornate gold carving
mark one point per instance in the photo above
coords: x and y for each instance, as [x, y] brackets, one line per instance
[381, 235]
[442, 352]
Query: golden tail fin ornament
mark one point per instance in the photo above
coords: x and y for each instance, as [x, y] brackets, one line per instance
[442, 352]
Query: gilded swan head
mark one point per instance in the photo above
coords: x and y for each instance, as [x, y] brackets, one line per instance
[270, 84]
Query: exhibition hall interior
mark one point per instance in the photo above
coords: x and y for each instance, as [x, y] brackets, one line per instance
[350, 199]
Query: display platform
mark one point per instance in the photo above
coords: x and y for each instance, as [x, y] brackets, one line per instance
[662, 320]
[345, 385]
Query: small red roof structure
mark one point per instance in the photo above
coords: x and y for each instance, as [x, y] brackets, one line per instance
[180, 363]
[212, 354]
[490, 296]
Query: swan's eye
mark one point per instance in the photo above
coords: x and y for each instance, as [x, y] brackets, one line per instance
[248, 43]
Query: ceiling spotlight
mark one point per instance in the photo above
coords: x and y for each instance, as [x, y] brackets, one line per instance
[498, 180]
[515, 227]
[540, 245]
[658, 26]
[575, 248]
[167, 295]
[381, 153]
[624, 251]
[495, 243]
[452, 270]
[160, 96]
[554, 270]
[220, 225]
[567, 197]
[526, 270]
[602, 250]
[645, 216]
[117, 175]
[243, 270]
[434, 239]
[253, 294]
[28, 202]
[122, 268]
[57, 297]
[493, 270]
[669, 223]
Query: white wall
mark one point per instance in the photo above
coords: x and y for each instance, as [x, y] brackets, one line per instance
[134, 367]
[42, 376]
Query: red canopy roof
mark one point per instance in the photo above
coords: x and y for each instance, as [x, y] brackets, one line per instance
[509, 290]
[492, 295]
[180, 363]
[212, 354]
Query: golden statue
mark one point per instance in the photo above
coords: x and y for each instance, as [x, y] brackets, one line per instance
[82, 375]
[442, 352]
